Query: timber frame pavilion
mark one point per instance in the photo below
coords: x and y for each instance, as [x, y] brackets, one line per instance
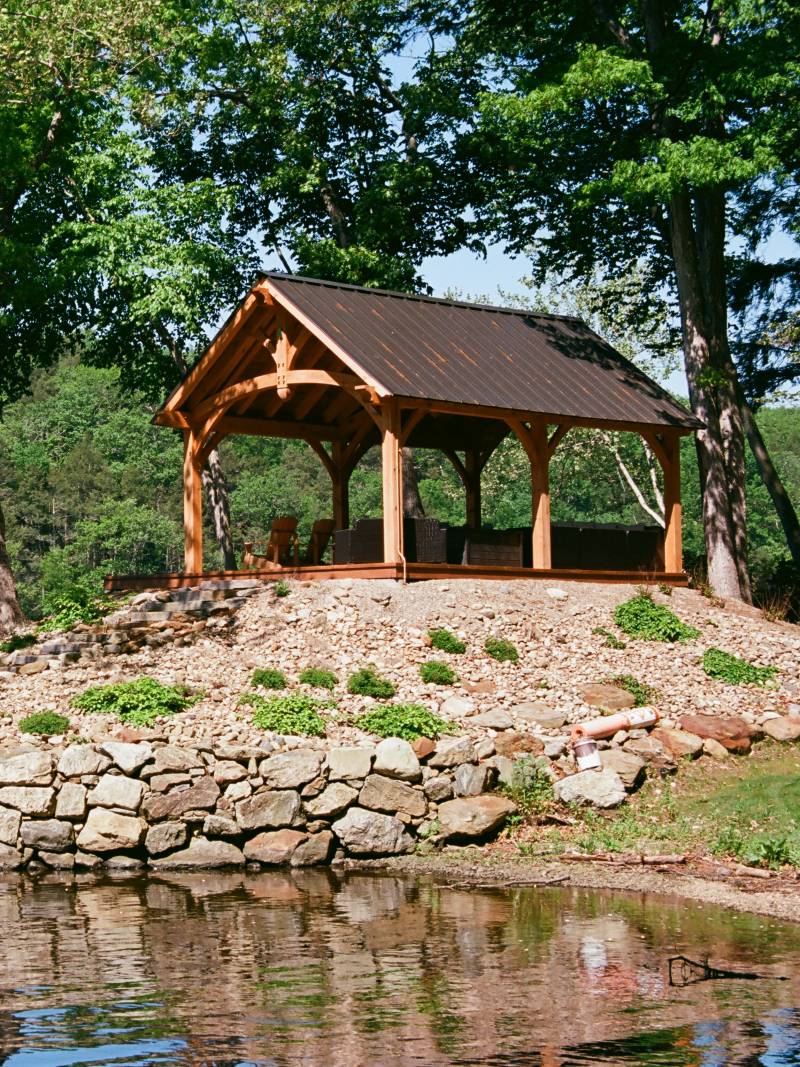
[345, 368]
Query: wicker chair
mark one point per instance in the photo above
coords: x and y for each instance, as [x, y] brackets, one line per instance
[494, 548]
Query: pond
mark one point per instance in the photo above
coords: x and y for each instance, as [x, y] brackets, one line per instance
[320, 968]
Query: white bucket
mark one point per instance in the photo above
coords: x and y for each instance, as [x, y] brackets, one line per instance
[587, 755]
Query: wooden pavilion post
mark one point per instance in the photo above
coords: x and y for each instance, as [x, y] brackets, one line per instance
[673, 512]
[392, 470]
[473, 467]
[192, 506]
[535, 443]
[340, 484]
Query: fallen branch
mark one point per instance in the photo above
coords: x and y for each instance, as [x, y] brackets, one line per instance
[753, 872]
[623, 860]
[506, 885]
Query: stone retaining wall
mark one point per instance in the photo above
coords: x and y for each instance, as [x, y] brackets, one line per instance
[131, 805]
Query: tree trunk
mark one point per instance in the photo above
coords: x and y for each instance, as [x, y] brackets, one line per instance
[216, 489]
[10, 612]
[412, 501]
[772, 480]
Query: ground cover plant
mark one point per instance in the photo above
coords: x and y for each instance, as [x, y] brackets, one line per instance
[611, 640]
[365, 682]
[296, 715]
[318, 677]
[641, 617]
[437, 672]
[13, 644]
[724, 667]
[282, 587]
[531, 790]
[445, 641]
[641, 692]
[137, 703]
[408, 721]
[269, 678]
[47, 723]
[74, 608]
[501, 650]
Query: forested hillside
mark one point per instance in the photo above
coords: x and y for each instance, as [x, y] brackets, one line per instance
[91, 487]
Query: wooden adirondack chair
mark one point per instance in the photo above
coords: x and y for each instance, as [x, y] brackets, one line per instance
[321, 533]
[282, 546]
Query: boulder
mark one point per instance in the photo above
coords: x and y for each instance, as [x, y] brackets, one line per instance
[116, 791]
[455, 707]
[269, 809]
[368, 833]
[52, 835]
[169, 758]
[63, 861]
[496, 719]
[78, 760]
[164, 837]
[715, 749]
[108, 831]
[10, 859]
[470, 780]
[344, 763]
[438, 789]
[535, 712]
[511, 744]
[27, 768]
[30, 800]
[227, 771]
[162, 783]
[423, 747]
[679, 742]
[627, 765]
[201, 853]
[128, 757]
[653, 753]
[71, 801]
[397, 759]
[380, 793]
[316, 849]
[600, 789]
[220, 826]
[9, 826]
[505, 769]
[198, 797]
[732, 732]
[782, 728]
[274, 847]
[291, 770]
[331, 801]
[610, 697]
[474, 816]
[452, 751]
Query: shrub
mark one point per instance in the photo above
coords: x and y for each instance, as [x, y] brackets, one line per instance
[611, 640]
[408, 721]
[366, 683]
[437, 672]
[74, 608]
[137, 703]
[319, 678]
[641, 692]
[18, 641]
[297, 714]
[724, 667]
[501, 650]
[641, 617]
[282, 587]
[44, 722]
[269, 678]
[530, 788]
[445, 641]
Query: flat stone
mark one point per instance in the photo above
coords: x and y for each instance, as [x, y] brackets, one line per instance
[451, 752]
[10, 859]
[227, 771]
[627, 765]
[270, 809]
[164, 837]
[715, 749]
[369, 833]
[679, 742]
[61, 861]
[161, 783]
[220, 826]
[381, 793]
[290, 770]
[331, 801]
[36, 667]
[470, 780]
[732, 732]
[116, 791]
[9, 826]
[610, 697]
[30, 800]
[242, 753]
[652, 752]
[53, 835]
[496, 719]
[108, 831]
[171, 758]
[27, 768]
[504, 766]
[782, 728]
[438, 789]
[128, 757]
[474, 817]
[600, 789]
[536, 712]
[316, 849]
[78, 760]
[349, 763]
[198, 797]
[483, 687]
[201, 854]
[275, 847]
[71, 801]
[396, 758]
[455, 707]
[511, 744]
[423, 747]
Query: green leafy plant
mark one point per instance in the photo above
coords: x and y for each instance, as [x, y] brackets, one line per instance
[641, 692]
[73, 608]
[269, 678]
[437, 672]
[641, 617]
[297, 714]
[724, 667]
[665, 589]
[408, 721]
[445, 641]
[18, 641]
[367, 683]
[611, 640]
[531, 790]
[137, 703]
[501, 650]
[282, 587]
[318, 677]
[46, 723]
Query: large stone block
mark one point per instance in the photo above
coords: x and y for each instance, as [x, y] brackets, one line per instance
[627, 765]
[731, 731]
[52, 835]
[27, 768]
[474, 817]
[331, 801]
[316, 849]
[380, 793]
[274, 847]
[396, 758]
[164, 837]
[368, 833]
[10, 858]
[470, 780]
[169, 758]
[71, 801]
[344, 763]
[270, 809]
[452, 752]
[30, 800]
[108, 831]
[127, 756]
[116, 791]
[600, 789]
[9, 826]
[291, 770]
[201, 854]
[201, 796]
[78, 760]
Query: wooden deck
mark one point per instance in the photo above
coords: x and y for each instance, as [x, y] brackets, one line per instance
[412, 572]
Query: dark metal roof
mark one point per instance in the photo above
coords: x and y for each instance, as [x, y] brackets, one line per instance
[427, 348]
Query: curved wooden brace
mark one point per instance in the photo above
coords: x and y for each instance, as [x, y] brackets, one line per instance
[414, 419]
[327, 461]
[461, 470]
[557, 437]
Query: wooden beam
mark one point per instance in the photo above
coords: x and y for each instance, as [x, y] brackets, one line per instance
[454, 458]
[534, 441]
[673, 511]
[392, 469]
[192, 507]
[353, 450]
[319, 448]
[414, 418]
[340, 487]
[472, 466]
[557, 437]
[255, 427]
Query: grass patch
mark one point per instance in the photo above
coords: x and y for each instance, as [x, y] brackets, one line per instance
[282, 587]
[18, 641]
[641, 617]
[47, 723]
[641, 692]
[269, 678]
[724, 667]
[408, 721]
[437, 672]
[318, 677]
[611, 640]
[367, 683]
[297, 715]
[501, 650]
[445, 641]
[137, 703]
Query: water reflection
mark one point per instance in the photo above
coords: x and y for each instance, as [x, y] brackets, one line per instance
[319, 968]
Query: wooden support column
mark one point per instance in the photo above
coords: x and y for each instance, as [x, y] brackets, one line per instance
[535, 443]
[340, 483]
[673, 512]
[192, 506]
[392, 467]
[473, 467]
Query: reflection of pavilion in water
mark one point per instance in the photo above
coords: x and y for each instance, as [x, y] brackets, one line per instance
[318, 968]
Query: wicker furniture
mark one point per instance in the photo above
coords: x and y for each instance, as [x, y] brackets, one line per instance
[425, 541]
[494, 548]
